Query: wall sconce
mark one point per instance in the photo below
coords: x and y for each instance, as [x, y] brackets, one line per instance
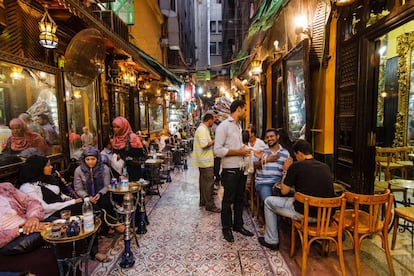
[302, 28]
[76, 94]
[256, 67]
[383, 93]
[48, 27]
[132, 79]
[125, 78]
[278, 50]
[16, 73]
[147, 85]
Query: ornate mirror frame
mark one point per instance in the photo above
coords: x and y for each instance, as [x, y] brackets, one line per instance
[405, 45]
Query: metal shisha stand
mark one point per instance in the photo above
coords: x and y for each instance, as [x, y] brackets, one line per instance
[142, 215]
[127, 258]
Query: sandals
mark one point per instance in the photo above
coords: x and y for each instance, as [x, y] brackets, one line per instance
[101, 257]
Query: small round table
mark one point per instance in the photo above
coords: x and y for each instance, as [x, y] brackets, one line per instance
[154, 169]
[405, 212]
[74, 261]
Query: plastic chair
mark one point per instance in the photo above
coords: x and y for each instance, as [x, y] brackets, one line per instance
[366, 219]
[325, 228]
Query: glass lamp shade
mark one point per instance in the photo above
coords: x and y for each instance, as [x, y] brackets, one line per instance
[256, 67]
[48, 27]
[48, 40]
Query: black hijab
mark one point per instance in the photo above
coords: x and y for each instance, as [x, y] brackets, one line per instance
[32, 170]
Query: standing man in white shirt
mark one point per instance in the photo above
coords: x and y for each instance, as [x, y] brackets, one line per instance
[229, 146]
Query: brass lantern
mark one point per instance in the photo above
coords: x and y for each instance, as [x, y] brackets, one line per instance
[48, 27]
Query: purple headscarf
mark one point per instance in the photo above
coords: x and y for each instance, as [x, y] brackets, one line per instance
[95, 175]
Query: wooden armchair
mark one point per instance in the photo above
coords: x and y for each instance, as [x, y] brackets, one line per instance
[402, 158]
[325, 228]
[365, 220]
[385, 159]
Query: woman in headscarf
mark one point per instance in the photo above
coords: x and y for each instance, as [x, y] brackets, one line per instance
[35, 177]
[22, 138]
[91, 178]
[128, 146]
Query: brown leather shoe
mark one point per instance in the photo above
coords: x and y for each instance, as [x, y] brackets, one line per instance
[214, 210]
[273, 247]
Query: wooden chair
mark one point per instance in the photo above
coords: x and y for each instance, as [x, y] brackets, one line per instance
[365, 220]
[407, 214]
[250, 184]
[385, 159]
[403, 159]
[325, 228]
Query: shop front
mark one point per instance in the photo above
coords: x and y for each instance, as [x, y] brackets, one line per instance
[70, 82]
[373, 91]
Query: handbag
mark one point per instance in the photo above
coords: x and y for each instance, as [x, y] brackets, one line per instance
[22, 244]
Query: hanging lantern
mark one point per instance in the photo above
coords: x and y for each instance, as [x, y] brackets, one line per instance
[48, 27]
[256, 67]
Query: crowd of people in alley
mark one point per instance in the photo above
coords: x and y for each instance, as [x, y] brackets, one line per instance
[225, 154]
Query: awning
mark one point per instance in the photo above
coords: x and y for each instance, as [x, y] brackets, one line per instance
[157, 66]
[265, 15]
[262, 21]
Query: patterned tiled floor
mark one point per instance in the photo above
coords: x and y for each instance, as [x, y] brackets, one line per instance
[184, 239]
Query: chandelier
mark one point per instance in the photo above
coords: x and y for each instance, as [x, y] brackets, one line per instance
[48, 27]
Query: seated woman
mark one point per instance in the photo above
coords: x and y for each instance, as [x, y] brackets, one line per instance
[35, 178]
[21, 138]
[91, 179]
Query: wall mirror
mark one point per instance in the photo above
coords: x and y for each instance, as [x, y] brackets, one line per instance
[143, 110]
[395, 87]
[81, 116]
[296, 81]
[27, 95]
[410, 89]
[156, 116]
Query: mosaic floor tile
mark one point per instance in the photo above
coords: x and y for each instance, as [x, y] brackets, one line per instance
[185, 239]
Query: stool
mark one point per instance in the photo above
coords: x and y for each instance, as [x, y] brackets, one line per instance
[406, 213]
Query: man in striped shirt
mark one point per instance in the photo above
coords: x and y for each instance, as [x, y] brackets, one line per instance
[203, 158]
[270, 166]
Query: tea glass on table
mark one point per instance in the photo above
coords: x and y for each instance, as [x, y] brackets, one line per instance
[65, 214]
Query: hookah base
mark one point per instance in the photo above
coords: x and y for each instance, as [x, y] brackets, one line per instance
[127, 260]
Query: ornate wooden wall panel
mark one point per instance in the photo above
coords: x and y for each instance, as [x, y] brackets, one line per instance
[319, 33]
[20, 36]
[346, 110]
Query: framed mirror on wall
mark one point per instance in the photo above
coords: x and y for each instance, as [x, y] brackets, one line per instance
[156, 115]
[143, 110]
[29, 117]
[82, 117]
[296, 82]
[404, 125]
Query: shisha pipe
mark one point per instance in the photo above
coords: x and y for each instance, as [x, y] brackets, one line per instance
[71, 191]
[127, 258]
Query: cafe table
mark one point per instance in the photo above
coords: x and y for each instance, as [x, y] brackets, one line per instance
[154, 166]
[405, 212]
[73, 262]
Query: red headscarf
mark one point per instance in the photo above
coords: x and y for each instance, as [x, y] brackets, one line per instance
[119, 141]
[28, 140]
